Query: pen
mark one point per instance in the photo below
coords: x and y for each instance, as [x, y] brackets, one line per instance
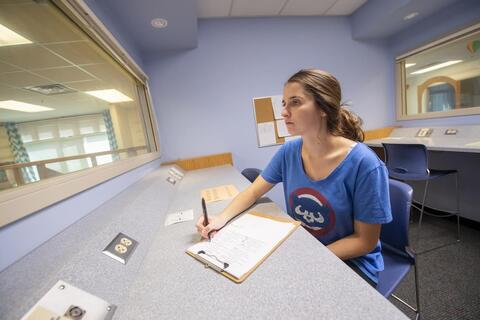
[205, 215]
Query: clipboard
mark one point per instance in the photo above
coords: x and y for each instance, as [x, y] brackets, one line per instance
[208, 253]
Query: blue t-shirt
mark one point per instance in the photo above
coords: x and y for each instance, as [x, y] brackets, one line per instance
[356, 190]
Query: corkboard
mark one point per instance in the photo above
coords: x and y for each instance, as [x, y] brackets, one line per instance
[263, 111]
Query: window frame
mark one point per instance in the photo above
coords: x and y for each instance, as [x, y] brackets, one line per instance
[400, 80]
[22, 201]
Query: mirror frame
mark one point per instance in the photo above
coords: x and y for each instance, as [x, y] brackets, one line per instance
[22, 201]
[400, 80]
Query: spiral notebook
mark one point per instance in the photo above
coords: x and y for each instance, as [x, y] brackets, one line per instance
[242, 245]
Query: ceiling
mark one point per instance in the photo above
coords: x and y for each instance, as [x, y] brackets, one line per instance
[60, 54]
[133, 18]
[272, 8]
[372, 19]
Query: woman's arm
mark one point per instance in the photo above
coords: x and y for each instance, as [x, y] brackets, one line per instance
[240, 203]
[362, 241]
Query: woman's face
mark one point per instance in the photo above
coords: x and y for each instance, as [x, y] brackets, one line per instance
[299, 111]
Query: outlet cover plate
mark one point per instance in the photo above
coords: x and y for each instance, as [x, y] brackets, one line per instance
[121, 248]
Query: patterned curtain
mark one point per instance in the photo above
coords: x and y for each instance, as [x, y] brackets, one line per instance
[19, 152]
[107, 118]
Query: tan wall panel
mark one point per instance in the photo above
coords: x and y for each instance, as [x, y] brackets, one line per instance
[378, 133]
[203, 162]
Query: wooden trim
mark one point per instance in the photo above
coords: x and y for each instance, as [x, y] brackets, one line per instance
[421, 88]
[203, 162]
[22, 201]
[378, 133]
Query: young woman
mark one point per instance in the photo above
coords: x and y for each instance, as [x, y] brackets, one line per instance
[334, 184]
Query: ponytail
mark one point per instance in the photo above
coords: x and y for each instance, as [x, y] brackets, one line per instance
[350, 125]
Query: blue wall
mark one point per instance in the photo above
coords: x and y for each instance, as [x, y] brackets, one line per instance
[203, 97]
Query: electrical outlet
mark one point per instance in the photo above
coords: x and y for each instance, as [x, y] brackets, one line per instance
[171, 180]
[121, 248]
[174, 173]
[424, 132]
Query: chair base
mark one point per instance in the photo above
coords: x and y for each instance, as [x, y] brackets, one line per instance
[436, 214]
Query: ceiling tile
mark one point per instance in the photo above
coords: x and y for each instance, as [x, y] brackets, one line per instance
[88, 85]
[251, 8]
[80, 52]
[49, 25]
[7, 68]
[213, 8]
[345, 7]
[22, 79]
[31, 57]
[64, 74]
[108, 73]
[307, 7]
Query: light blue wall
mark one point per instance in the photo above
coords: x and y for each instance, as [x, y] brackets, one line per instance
[203, 97]
[449, 20]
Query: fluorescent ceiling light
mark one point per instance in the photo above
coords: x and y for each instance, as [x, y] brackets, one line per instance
[437, 66]
[109, 95]
[11, 38]
[22, 106]
[408, 65]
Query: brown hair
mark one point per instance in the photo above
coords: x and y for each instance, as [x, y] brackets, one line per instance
[325, 90]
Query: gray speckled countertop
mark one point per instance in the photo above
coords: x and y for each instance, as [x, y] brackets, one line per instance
[301, 279]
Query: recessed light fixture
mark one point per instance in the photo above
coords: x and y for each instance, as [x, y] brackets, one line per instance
[408, 65]
[410, 16]
[159, 23]
[50, 89]
[11, 38]
[437, 66]
[109, 95]
[22, 106]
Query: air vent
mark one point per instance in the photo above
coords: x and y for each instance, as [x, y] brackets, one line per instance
[50, 89]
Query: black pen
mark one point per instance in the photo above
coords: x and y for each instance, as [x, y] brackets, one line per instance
[205, 216]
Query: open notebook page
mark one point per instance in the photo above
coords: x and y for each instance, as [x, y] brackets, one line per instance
[239, 246]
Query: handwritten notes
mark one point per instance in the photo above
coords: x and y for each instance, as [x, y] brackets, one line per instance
[240, 246]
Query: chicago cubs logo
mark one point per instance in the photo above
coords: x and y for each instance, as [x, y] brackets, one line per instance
[312, 209]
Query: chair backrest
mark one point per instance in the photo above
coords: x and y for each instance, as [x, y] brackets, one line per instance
[394, 235]
[251, 173]
[406, 159]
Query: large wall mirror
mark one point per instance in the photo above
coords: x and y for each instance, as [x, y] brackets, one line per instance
[66, 105]
[441, 79]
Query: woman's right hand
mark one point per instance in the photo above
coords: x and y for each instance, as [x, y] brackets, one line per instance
[215, 223]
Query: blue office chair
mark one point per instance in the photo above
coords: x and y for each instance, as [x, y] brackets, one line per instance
[397, 257]
[410, 162]
[251, 173]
